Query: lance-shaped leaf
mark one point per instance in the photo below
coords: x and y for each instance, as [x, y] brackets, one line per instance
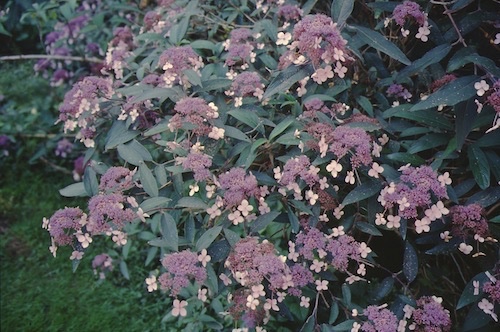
[341, 10]
[410, 262]
[479, 166]
[362, 192]
[451, 94]
[287, 78]
[379, 42]
[433, 56]
[168, 228]
[148, 180]
[207, 238]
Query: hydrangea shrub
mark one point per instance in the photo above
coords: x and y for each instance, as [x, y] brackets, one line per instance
[295, 165]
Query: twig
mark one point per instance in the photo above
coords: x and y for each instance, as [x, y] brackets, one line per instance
[49, 57]
[460, 38]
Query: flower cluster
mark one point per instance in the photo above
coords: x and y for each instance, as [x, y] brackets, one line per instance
[199, 163]
[181, 268]
[81, 106]
[429, 315]
[411, 10]
[380, 319]
[196, 113]
[246, 84]
[398, 91]
[414, 196]
[117, 179]
[107, 213]
[240, 48]
[238, 185]
[64, 224]
[63, 148]
[102, 264]
[174, 61]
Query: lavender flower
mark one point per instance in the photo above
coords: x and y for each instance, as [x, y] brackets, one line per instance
[64, 223]
[181, 268]
[409, 9]
[238, 185]
[194, 111]
[63, 148]
[298, 167]
[116, 179]
[430, 316]
[398, 91]
[289, 13]
[103, 264]
[107, 213]
[316, 37]
[343, 248]
[468, 220]
[353, 141]
[380, 319]
[199, 163]
[246, 84]
[175, 60]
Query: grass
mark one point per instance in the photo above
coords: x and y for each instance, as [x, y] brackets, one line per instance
[39, 292]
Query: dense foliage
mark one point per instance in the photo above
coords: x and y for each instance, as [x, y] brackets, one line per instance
[294, 165]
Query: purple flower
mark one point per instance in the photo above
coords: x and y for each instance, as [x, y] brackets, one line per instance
[301, 167]
[63, 148]
[468, 220]
[107, 213]
[177, 59]
[64, 223]
[408, 9]
[181, 267]
[103, 264]
[494, 98]
[354, 142]
[310, 241]
[342, 249]
[430, 315]
[238, 185]
[199, 163]
[398, 91]
[379, 320]
[247, 84]
[492, 289]
[194, 111]
[116, 179]
[317, 38]
[289, 12]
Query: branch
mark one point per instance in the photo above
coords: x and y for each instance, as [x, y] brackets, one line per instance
[50, 57]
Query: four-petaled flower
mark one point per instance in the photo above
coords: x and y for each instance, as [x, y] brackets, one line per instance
[179, 308]
[334, 168]
[304, 301]
[204, 258]
[152, 284]
[465, 248]
[321, 285]
[423, 32]
[481, 87]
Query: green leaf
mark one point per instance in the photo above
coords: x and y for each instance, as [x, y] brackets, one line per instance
[368, 228]
[379, 42]
[451, 94]
[287, 78]
[433, 56]
[406, 158]
[346, 295]
[119, 134]
[124, 270]
[479, 166]
[193, 77]
[159, 128]
[215, 84]
[203, 44]
[382, 289]
[429, 118]
[344, 326]
[486, 198]
[263, 220]
[365, 104]
[427, 142]
[231, 237]
[178, 31]
[334, 313]
[282, 125]
[90, 181]
[74, 190]
[148, 180]
[207, 238]
[168, 228]
[410, 262]
[476, 318]
[236, 133]
[309, 324]
[294, 221]
[134, 153]
[486, 63]
[247, 117]
[154, 203]
[361, 192]
[341, 10]
[467, 297]
[465, 114]
[193, 203]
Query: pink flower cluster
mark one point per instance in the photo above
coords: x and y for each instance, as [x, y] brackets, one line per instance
[181, 268]
[174, 61]
[194, 112]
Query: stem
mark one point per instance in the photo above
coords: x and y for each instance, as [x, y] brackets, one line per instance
[50, 57]
[460, 38]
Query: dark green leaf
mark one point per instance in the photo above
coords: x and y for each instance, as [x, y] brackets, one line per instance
[154, 203]
[74, 190]
[382, 289]
[427, 142]
[193, 77]
[476, 318]
[294, 221]
[341, 10]
[247, 117]
[168, 228]
[287, 78]
[433, 56]
[451, 94]
[467, 297]
[178, 31]
[282, 125]
[263, 220]
[124, 270]
[344, 326]
[429, 118]
[215, 84]
[90, 181]
[486, 197]
[410, 262]
[479, 166]
[309, 324]
[119, 134]
[236, 133]
[193, 203]
[368, 228]
[406, 158]
[486, 63]
[365, 104]
[148, 181]
[379, 42]
[334, 313]
[231, 237]
[207, 238]
[346, 295]
[361, 192]
[465, 114]
[159, 128]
